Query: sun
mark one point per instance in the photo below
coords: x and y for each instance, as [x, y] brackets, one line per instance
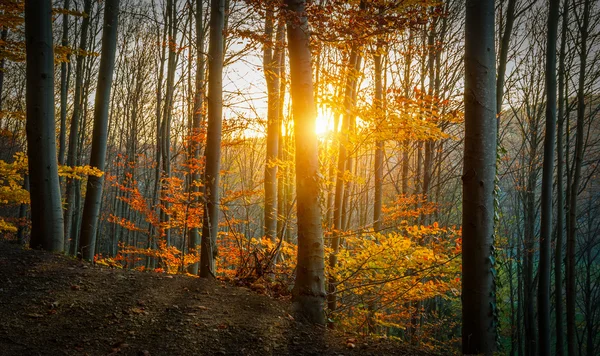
[324, 122]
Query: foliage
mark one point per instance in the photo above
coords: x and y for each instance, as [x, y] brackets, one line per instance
[379, 275]
[12, 190]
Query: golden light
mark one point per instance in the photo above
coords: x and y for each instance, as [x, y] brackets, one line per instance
[324, 122]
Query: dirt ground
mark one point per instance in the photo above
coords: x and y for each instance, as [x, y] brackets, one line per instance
[54, 305]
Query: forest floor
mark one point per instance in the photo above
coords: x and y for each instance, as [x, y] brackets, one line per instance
[55, 305]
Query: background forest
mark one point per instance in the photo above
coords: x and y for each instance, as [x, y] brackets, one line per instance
[388, 86]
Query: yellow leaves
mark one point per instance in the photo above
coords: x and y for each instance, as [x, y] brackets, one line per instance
[79, 172]
[63, 53]
[393, 269]
[6, 226]
[11, 181]
[18, 115]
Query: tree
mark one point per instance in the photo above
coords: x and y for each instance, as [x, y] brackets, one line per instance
[194, 239]
[504, 46]
[308, 294]
[547, 175]
[560, 205]
[478, 285]
[171, 20]
[78, 103]
[212, 153]
[93, 197]
[571, 292]
[46, 210]
[64, 85]
[271, 64]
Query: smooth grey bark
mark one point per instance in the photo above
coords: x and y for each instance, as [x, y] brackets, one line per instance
[502, 61]
[281, 154]
[47, 231]
[158, 153]
[76, 120]
[571, 292]
[558, 253]
[93, 196]
[547, 183]
[212, 153]
[343, 165]
[379, 145]
[271, 54]
[407, 89]
[3, 36]
[167, 115]
[64, 85]
[308, 294]
[194, 235]
[479, 170]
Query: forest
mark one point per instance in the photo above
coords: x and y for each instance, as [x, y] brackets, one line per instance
[423, 171]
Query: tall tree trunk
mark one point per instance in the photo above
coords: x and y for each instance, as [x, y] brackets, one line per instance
[3, 36]
[547, 175]
[308, 294]
[281, 201]
[64, 85]
[528, 251]
[478, 285]
[194, 236]
[272, 72]
[407, 89]
[379, 145]
[93, 196]
[571, 291]
[558, 256]
[76, 119]
[168, 108]
[159, 136]
[212, 154]
[342, 167]
[502, 61]
[47, 230]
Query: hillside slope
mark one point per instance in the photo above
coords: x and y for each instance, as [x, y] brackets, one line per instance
[55, 305]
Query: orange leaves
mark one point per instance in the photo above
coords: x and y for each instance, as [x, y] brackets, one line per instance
[406, 207]
[124, 223]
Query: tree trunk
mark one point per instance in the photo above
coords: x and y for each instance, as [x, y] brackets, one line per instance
[571, 291]
[342, 167]
[558, 259]
[547, 175]
[47, 230]
[194, 236]
[76, 119]
[3, 36]
[93, 196]
[212, 154]
[171, 14]
[272, 72]
[308, 294]
[379, 145]
[478, 284]
[504, 45]
[64, 85]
